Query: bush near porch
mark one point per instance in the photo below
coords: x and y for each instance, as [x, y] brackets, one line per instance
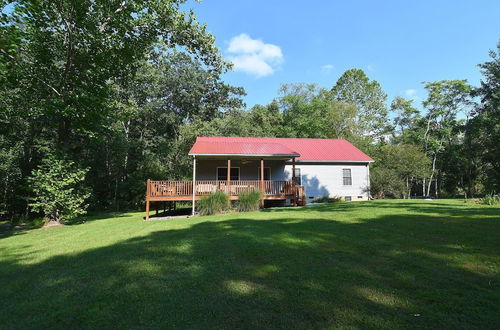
[249, 201]
[216, 202]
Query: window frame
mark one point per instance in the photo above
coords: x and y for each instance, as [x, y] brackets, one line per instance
[232, 167]
[346, 177]
[270, 173]
[298, 178]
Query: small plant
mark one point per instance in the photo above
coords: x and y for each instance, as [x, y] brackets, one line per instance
[214, 203]
[58, 188]
[490, 199]
[328, 199]
[249, 200]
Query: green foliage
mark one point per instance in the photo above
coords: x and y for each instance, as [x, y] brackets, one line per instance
[58, 189]
[328, 199]
[490, 199]
[355, 88]
[485, 127]
[396, 170]
[214, 203]
[312, 112]
[126, 86]
[249, 201]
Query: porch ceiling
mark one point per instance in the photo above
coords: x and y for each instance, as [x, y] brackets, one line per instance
[242, 157]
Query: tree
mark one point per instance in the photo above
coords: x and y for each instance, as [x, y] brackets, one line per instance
[484, 129]
[396, 170]
[313, 112]
[168, 90]
[406, 114]
[57, 185]
[355, 88]
[71, 50]
[67, 70]
[445, 100]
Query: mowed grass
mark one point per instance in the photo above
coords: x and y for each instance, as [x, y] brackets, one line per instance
[378, 264]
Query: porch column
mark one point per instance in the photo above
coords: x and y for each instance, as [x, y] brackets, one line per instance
[229, 177]
[194, 183]
[148, 193]
[262, 182]
[293, 183]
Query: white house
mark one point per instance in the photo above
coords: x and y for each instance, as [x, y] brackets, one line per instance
[286, 170]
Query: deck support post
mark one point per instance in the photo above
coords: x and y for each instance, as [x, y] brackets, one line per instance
[194, 183]
[262, 182]
[293, 183]
[148, 193]
[229, 177]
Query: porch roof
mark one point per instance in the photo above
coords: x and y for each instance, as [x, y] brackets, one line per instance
[246, 148]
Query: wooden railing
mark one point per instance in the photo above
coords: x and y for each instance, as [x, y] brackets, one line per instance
[206, 187]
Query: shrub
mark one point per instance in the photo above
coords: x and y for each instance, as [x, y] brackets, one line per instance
[490, 199]
[328, 199]
[216, 202]
[249, 200]
[58, 188]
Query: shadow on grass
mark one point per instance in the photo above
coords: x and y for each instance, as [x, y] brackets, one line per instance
[279, 273]
[7, 229]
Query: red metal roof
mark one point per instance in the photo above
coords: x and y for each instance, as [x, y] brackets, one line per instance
[304, 149]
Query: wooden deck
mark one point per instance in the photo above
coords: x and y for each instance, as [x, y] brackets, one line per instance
[183, 190]
[176, 191]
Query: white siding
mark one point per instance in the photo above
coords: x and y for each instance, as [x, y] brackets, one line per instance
[320, 179]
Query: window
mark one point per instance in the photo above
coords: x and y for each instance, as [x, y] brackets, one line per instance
[298, 177]
[267, 173]
[347, 198]
[346, 175]
[222, 173]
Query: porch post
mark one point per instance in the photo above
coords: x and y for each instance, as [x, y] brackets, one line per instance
[293, 183]
[194, 183]
[262, 181]
[229, 177]
[148, 192]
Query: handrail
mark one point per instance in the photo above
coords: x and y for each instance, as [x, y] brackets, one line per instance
[164, 188]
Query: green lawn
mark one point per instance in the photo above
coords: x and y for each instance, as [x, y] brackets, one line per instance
[381, 264]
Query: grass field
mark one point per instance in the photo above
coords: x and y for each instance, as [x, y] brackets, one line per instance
[380, 264]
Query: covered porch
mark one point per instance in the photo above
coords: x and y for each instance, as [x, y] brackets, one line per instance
[232, 185]
[232, 168]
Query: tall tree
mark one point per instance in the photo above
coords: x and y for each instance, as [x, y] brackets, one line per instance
[313, 112]
[64, 66]
[405, 114]
[485, 127]
[445, 100]
[354, 87]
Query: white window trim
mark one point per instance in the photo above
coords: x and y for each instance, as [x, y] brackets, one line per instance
[270, 172]
[217, 172]
[350, 171]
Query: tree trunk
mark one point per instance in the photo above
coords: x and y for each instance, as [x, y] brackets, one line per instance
[432, 175]
[407, 189]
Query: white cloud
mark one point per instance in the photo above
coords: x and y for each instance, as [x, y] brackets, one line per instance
[370, 67]
[410, 92]
[327, 68]
[253, 56]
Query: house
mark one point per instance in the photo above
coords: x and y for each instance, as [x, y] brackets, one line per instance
[286, 170]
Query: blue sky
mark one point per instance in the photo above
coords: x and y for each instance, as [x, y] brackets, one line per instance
[398, 43]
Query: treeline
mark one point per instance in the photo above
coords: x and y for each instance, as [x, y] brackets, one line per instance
[97, 97]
